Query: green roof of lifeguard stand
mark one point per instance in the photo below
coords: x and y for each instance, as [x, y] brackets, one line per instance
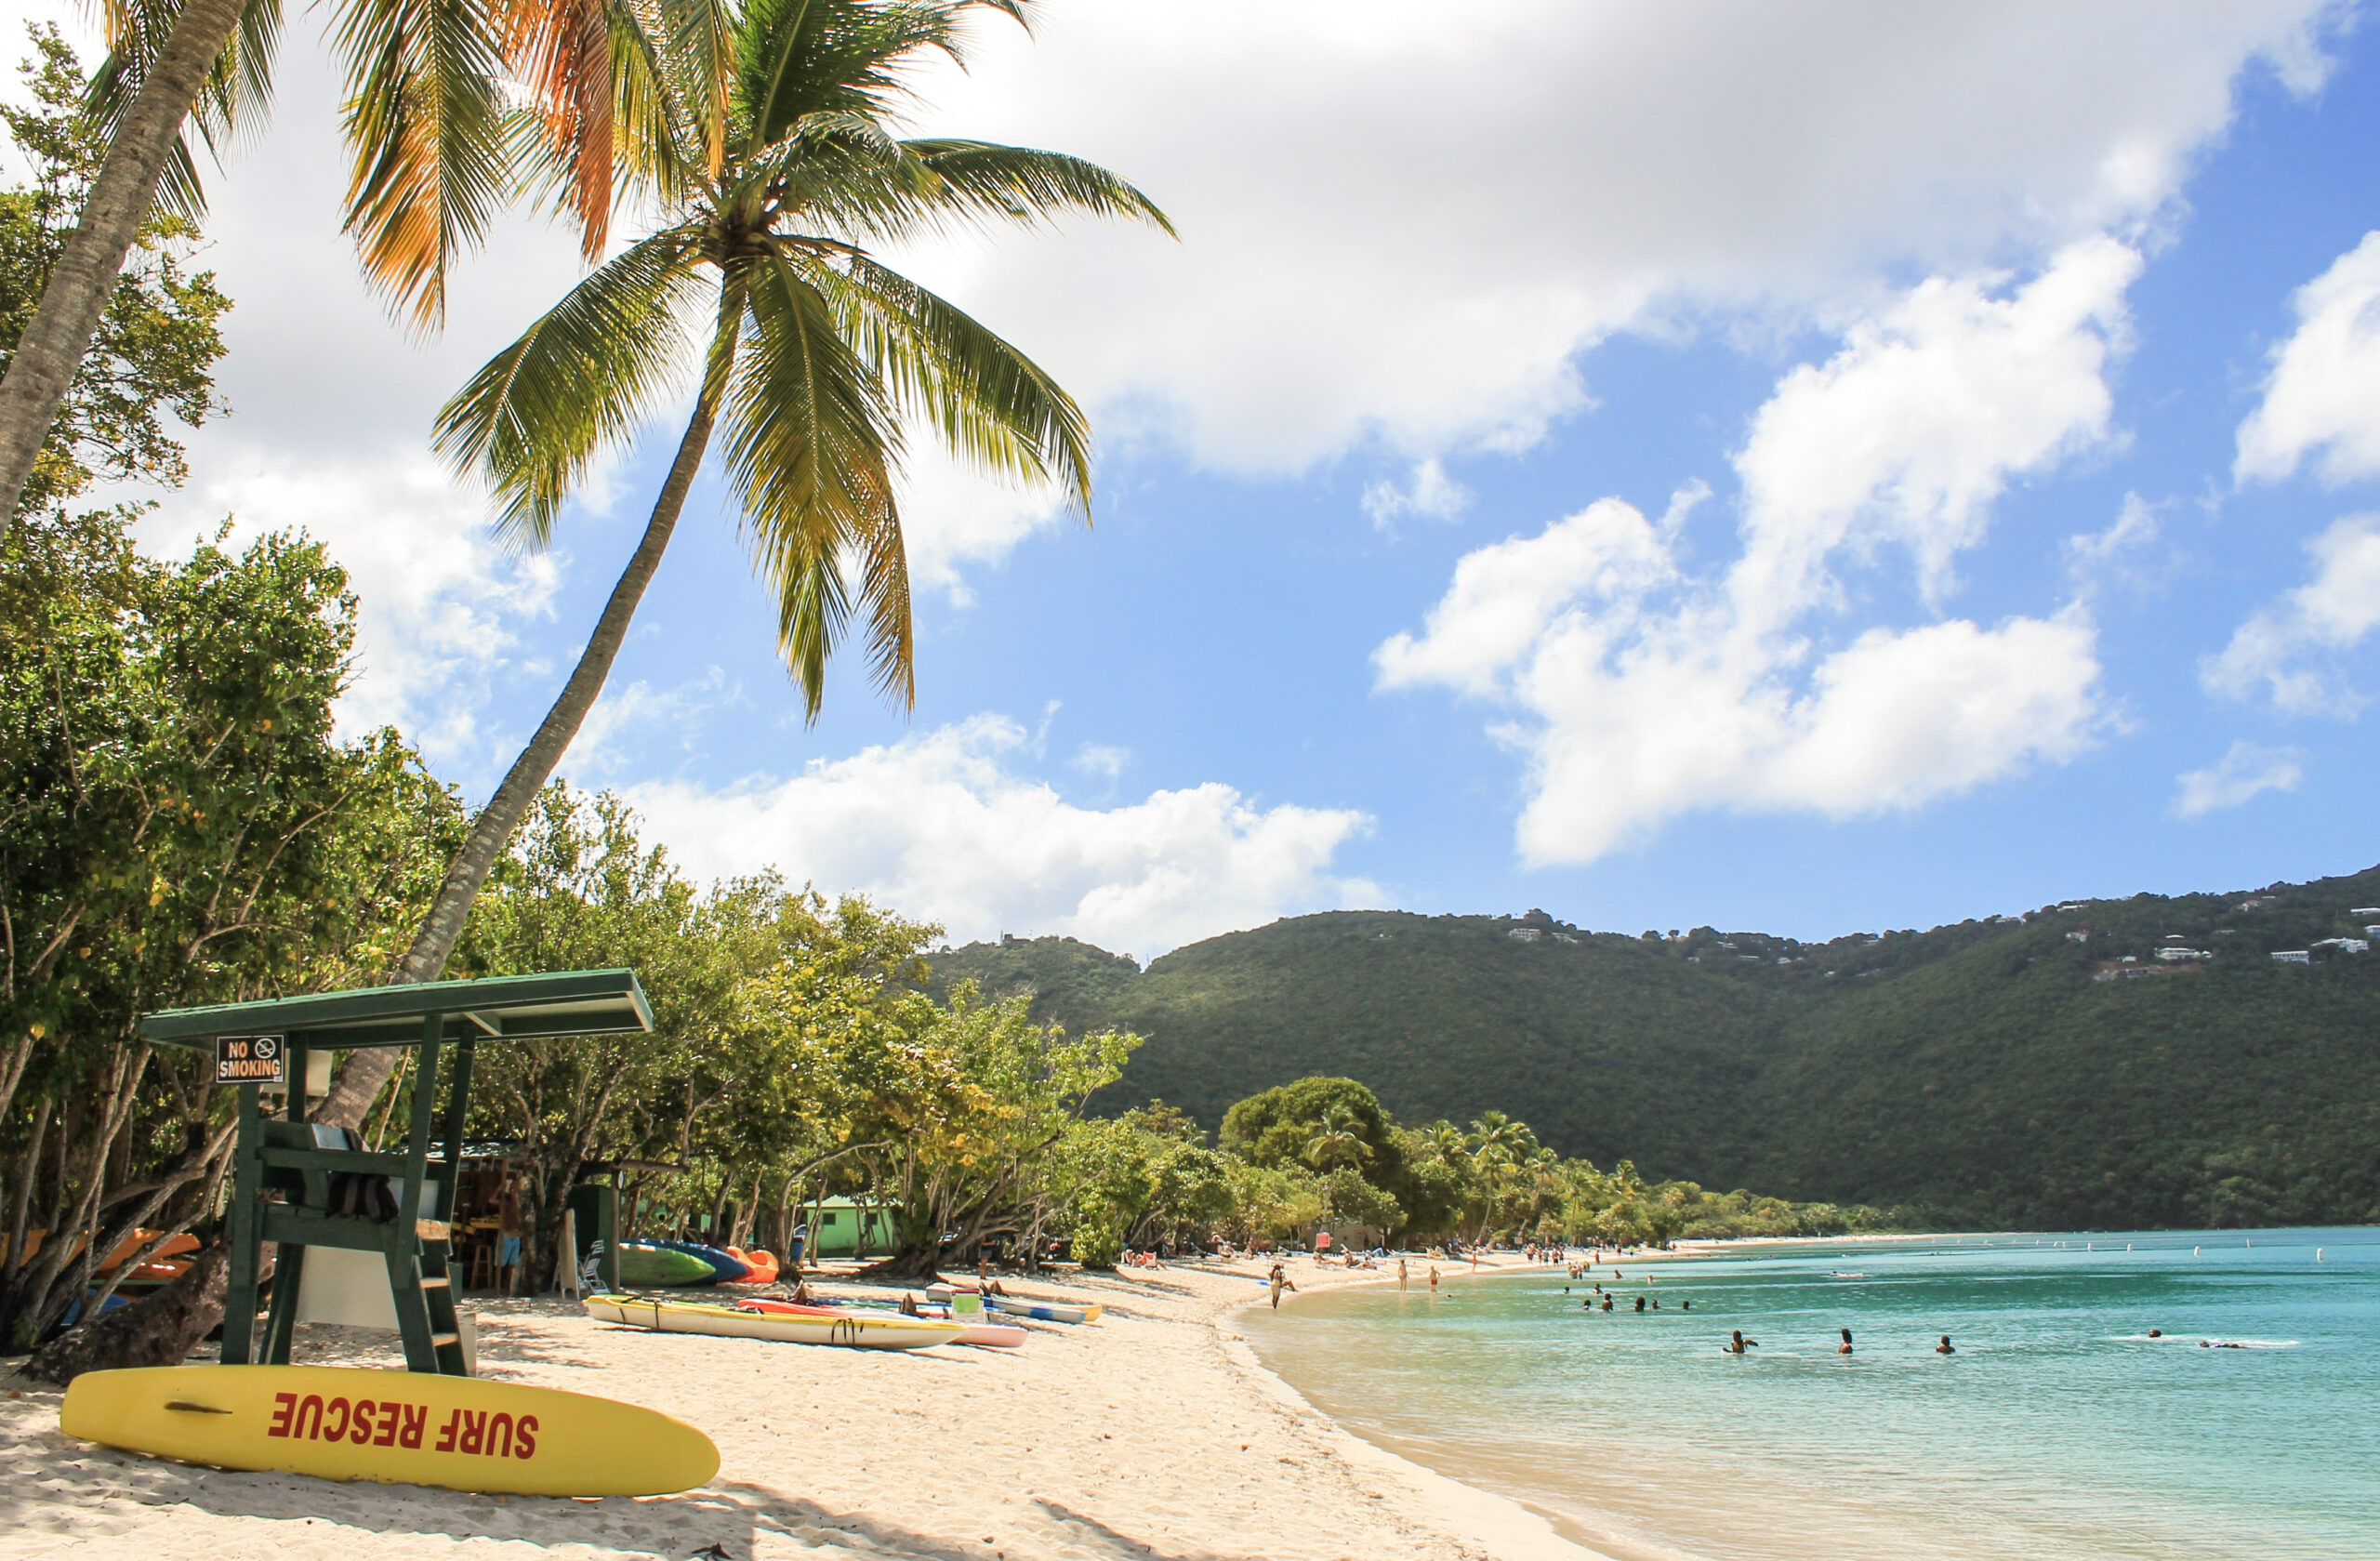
[497, 1008]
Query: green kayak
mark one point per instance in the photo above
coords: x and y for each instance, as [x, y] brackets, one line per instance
[644, 1267]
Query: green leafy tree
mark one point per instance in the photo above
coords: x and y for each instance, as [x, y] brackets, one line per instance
[182, 826]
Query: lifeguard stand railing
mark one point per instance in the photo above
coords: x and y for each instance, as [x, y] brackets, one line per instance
[300, 1186]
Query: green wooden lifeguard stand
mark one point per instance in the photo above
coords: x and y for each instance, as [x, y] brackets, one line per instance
[297, 1160]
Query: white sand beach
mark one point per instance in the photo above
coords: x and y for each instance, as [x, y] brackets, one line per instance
[1150, 1433]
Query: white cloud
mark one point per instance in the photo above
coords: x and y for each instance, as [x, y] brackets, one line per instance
[442, 605]
[2324, 394]
[940, 826]
[1101, 759]
[631, 726]
[1430, 495]
[2291, 646]
[1909, 433]
[2238, 775]
[1414, 242]
[1646, 691]
[2117, 556]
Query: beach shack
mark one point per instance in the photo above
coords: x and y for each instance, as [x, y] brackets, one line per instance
[841, 1228]
[368, 1217]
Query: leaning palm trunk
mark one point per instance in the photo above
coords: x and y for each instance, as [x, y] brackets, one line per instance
[362, 1075]
[52, 348]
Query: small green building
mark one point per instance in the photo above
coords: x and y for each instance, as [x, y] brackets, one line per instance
[840, 1229]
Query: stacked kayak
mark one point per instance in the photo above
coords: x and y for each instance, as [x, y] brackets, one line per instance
[974, 1330]
[854, 1330]
[661, 1264]
[1040, 1311]
[651, 1265]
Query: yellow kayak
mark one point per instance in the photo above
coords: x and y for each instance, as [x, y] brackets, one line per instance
[860, 1329]
[344, 1422]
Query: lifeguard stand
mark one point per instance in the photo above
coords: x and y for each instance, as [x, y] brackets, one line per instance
[300, 1162]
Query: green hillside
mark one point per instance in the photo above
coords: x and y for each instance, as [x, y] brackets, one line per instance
[2003, 1072]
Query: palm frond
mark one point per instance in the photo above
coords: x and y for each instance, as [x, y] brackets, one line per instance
[812, 446]
[232, 102]
[427, 124]
[992, 405]
[985, 179]
[561, 52]
[587, 373]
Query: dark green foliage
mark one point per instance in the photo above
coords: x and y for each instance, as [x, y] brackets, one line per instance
[1994, 1072]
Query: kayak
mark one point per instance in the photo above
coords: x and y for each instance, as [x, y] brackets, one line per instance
[990, 1335]
[1040, 1311]
[747, 1322]
[649, 1265]
[763, 1266]
[1043, 1311]
[730, 1269]
[345, 1422]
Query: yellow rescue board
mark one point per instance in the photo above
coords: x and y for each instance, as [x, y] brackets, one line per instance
[347, 1423]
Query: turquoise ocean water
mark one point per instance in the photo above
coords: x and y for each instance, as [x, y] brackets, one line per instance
[2059, 1430]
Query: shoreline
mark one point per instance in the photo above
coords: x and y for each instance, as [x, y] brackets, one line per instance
[1156, 1431]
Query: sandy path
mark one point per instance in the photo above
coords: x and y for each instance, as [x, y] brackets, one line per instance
[1150, 1434]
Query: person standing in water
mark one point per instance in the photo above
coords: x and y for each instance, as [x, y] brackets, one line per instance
[1845, 1348]
[1944, 1347]
[1401, 1273]
[1434, 1278]
[1278, 1281]
[1737, 1343]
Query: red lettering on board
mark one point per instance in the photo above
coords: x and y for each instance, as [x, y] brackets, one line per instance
[361, 1433]
[335, 1433]
[474, 1432]
[298, 1426]
[446, 1432]
[524, 1440]
[504, 1421]
[417, 1419]
[283, 1403]
[389, 1412]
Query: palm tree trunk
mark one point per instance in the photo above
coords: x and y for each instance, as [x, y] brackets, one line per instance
[361, 1076]
[52, 348]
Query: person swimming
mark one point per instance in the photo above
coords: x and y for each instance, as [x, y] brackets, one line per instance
[1737, 1343]
[1944, 1347]
[1640, 1303]
[1607, 1304]
[2156, 1333]
[1687, 1305]
[1845, 1348]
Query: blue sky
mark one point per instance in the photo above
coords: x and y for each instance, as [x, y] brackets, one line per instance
[1814, 472]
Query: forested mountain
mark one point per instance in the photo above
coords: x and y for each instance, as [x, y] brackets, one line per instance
[2097, 1064]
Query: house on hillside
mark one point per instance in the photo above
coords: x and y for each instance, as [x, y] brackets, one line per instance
[2346, 945]
[2173, 956]
[1524, 934]
[2292, 957]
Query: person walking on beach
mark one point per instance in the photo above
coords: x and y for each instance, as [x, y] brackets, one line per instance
[1845, 1348]
[1737, 1343]
[1279, 1282]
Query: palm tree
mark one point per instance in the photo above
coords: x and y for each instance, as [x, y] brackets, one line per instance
[814, 356]
[1336, 1140]
[436, 149]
